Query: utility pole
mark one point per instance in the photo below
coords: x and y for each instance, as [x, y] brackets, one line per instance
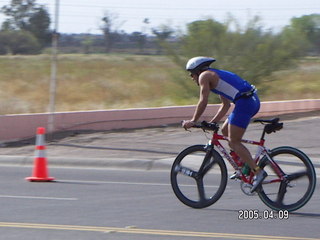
[54, 61]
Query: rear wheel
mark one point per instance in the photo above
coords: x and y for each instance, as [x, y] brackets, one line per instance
[198, 176]
[299, 182]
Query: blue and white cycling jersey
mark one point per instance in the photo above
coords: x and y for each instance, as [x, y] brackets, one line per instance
[230, 85]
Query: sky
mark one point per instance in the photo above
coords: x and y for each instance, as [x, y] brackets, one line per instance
[84, 16]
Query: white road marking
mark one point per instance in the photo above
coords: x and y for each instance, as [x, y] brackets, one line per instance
[132, 183]
[41, 198]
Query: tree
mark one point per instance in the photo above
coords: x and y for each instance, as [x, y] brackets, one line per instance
[250, 51]
[87, 43]
[18, 42]
[140, 39]
[309, 27]
[28, 16]
[110, 29]
[203, 37]
[19, 13]
[163, 33]
[39, 26]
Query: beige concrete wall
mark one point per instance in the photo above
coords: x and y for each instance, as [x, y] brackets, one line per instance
[21, 126]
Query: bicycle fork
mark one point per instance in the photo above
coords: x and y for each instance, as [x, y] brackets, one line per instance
[208, 161]
[206, 164]
[204, 168]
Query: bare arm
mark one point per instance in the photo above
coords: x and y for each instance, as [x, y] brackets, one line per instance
[222, 110]
[203, 100]
[207, 81]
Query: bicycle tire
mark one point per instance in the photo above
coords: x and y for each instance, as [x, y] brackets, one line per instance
[300, 175]
[189, 186]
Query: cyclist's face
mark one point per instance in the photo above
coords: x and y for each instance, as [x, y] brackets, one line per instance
[195, 77]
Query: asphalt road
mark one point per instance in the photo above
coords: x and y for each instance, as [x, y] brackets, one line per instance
[115, 185]
[123, 204]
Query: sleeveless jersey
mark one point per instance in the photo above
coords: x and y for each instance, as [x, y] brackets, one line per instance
[230, 85]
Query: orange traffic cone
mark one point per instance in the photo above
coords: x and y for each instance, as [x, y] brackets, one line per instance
[40, 173]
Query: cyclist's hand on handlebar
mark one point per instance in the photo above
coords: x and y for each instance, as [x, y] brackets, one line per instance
[188, 124]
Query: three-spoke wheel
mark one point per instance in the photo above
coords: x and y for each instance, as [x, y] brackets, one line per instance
[198, 176]
[297, 185]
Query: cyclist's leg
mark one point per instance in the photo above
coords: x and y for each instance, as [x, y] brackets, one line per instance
[239, 119]
[224, 128]
[235, 135]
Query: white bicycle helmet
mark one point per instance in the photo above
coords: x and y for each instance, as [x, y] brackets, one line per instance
[199, 63]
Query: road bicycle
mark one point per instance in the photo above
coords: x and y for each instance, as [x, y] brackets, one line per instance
[199, 174]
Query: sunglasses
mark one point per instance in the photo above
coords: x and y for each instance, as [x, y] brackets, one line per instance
[191, 74]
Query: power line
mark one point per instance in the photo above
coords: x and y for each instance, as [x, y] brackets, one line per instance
[160, 8]
[73, 14]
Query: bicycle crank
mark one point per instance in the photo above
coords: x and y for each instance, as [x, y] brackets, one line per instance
[246, 188]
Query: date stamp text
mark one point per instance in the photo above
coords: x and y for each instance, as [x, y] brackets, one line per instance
[264, 215]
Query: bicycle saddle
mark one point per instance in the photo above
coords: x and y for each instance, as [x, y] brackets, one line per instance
[272, 125]
[273, 120]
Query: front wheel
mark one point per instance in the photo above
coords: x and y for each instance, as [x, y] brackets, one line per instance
[198, 176]
[296, 187]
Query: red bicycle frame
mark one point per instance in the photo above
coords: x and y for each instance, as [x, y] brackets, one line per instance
[261, 152]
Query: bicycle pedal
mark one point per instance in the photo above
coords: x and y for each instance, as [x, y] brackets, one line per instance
[235, 176]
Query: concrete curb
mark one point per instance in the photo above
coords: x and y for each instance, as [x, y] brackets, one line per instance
[141, 164]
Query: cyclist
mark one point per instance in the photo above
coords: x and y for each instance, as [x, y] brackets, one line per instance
[230, 88]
